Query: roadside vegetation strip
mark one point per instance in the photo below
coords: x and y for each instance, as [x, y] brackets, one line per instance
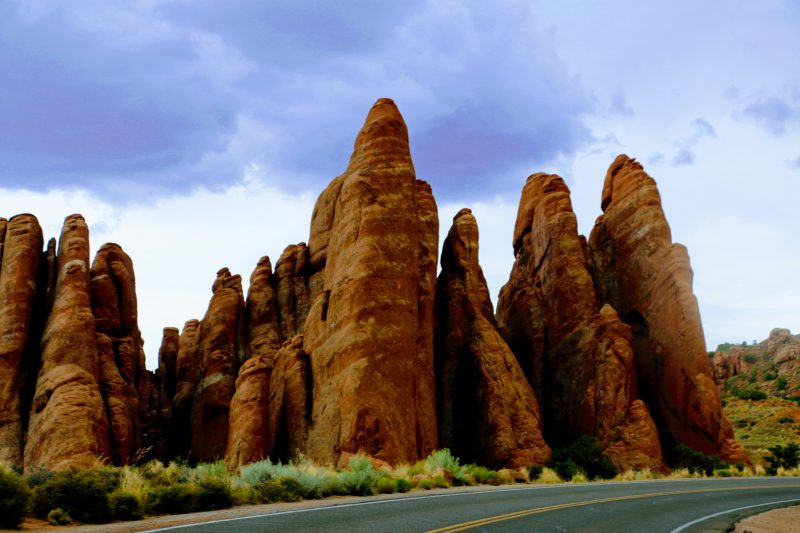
[539, 510]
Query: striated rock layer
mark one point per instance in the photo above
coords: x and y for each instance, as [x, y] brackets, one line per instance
[68, 423]
[577, 354]
[20, 256]
[487, 410]
[369, 329]
[648, 280]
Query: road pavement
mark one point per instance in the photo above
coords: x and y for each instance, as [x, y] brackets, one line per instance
[669, 506]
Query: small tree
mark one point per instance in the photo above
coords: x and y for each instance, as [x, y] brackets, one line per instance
[782, 456]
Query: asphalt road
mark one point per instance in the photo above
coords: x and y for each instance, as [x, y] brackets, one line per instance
[666, 506]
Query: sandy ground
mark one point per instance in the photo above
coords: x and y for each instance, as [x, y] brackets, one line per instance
[786, 520]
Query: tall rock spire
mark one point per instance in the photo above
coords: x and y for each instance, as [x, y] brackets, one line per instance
[648, 279]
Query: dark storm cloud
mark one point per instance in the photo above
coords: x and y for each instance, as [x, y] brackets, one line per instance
[166, 96]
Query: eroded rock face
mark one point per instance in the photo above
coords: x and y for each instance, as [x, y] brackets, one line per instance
[578, 355]
[293, 293]
[188, 371]
[113, 292]
[648, 280]
[68, 422]
[371, 265]
[487, 410]
[21, 244]
[220, 345]
[290, 402]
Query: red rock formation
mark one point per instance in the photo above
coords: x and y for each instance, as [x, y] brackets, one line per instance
[291, 286]
[290, 402]
[580, 360]
[168, 363]
[371, 271]
[248, 439]
[487, 410]
[188, 371]
[725, 365]
[20, 254]
[68, 423]
[648, 280]
[220, 345]
[113, 291]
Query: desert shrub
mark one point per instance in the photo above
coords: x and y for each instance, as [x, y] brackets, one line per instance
[442, 459]
[535, 472]
[750, 358]
[425, 484]
[786, 457]
[38, 477]
[770, 376]
[213, 494]
[361, 479]
[584, 454]
[751, 393]
[786, 420]
[125, 506]
[401, 484]
[481, 474]
[14, 498]
[781, 383]
[203, 471]
[694, 461]
[548, 476]
[386, 486]
[83, 494]
[723, 472]
[172, 499]
[279, 490]
[156, 474]
[440, 481]
[59, 517]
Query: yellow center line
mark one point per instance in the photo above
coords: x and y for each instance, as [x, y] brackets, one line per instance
[528, 512]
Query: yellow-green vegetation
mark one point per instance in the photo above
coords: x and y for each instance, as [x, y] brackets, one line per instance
[109, 493]
[762, 424]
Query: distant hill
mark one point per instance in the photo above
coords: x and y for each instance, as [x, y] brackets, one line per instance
[760, 386]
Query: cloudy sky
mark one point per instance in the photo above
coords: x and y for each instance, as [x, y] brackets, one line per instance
[198, 134]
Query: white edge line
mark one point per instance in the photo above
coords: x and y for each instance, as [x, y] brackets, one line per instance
[421, 497]
[707, 517]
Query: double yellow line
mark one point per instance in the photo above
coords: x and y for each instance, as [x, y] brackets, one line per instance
[519, 514]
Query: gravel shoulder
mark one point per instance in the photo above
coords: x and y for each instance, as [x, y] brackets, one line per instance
[785, 520]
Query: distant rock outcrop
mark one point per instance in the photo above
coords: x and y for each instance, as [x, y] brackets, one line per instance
[648, 280]
[487, 410]
[578, 354]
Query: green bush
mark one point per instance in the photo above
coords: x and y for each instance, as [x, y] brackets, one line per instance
[583, 455]
[535, 472]
[279, 490]
[38, 477]
[172, 499]
[425, 484]
[782, 456]
[440, 481]
[213, 494]
[442, 459]
[751, 393]
[401, 484]
[723, 472]
[361, 479]
[14, 498]
[83, 494]
[59, 517]
[125, 506]
[786, 420]
[770, 376]
[386, 486]
[781, 383]
[694, 461]
[481, 474]
[750, 358]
